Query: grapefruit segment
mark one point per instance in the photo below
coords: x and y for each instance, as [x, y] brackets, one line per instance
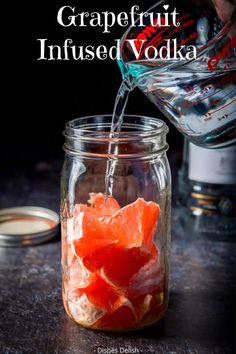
[142, 305]
[86, 247]
[117, 264]
[149, 278]
[78, 275]
[150, 215]
[135, 224]
[83, 311]
[105, 206]
[95, 226]
[93, 229]
[102, 294]
[123, 318]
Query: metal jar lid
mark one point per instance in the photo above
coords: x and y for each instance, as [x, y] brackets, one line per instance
[27, 225]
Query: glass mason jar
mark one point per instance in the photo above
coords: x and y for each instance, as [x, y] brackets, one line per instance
[115, 249]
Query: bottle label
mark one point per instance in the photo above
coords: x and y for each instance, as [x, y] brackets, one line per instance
[216, 166]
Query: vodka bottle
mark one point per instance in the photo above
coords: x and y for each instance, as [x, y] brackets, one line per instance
[207, 192]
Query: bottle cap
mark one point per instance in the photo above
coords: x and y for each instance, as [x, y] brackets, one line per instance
[27, 225]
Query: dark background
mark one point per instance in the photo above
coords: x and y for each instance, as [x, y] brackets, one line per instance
[40, 96]
[37, 99]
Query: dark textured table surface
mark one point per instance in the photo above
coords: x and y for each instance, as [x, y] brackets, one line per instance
[201, 313]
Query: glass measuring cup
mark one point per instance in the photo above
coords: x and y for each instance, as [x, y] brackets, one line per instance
[181, 54]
